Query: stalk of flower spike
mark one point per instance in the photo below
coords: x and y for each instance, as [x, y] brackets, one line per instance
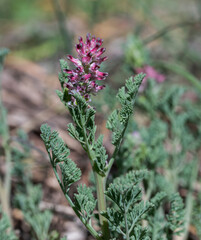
[83, 78]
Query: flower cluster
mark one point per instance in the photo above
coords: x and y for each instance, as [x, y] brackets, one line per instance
[83, 78]
[150, 73]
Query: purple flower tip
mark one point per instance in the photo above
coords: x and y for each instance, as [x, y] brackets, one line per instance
[83, 78]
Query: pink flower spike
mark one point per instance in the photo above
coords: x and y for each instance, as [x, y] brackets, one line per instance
[100, 41]
[93, 83]
[86, 60]
[68, 71]
[88, 40]
[76, 61]
[86, 76]
[98, 88]
[93, 41]
[80, 40]
[95, 48]
[101, 75]
[103, 59]
[100, 52]
[82, 79]
[94, 67]
[79, 48]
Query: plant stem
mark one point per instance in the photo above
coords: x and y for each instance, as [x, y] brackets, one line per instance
[100, 187]
[8, 172]
[180, 70]
[4, 202]
[6, 187]
[61, 22]
[116, 150]
[87, 225]
[126, 223]
[169, 28]
[189, 200]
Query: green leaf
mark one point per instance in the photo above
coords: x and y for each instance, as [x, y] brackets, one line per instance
[140, 233]
[124, 191]
[55, 146]
[70, 173]
[28, 201]
[6, 232]
[74, 133]
[58, 153]
[100, 155]
[85, 202]
[176, 214]
[118, 120]
[138, 211]
[157, 199]
[39, 222]
[115, 218]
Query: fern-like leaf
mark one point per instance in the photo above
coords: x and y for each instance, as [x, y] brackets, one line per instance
[118, 120]
[101, 156]
[5, 229]
[58, 153]
[176, 215]
[85, 202]
[70, 173]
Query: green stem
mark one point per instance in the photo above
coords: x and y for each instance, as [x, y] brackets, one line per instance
[189, 200]
[126, 223]
[100, 187]
[6, 187]
[169, 28]
[116, 150]
[8, 172]
[4, 202]
[180, 70]
[87, 225]
[62, 26]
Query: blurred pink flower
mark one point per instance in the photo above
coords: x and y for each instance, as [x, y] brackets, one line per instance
[150, 73]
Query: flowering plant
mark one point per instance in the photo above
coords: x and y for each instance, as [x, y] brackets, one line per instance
[125, 214]
[83, 78]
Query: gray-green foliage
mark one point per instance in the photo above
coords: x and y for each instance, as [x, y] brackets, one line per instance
[130, 210]
[164, 148]
[6, 232]
[196, 216]
[126, 217]
[85, 202]
[38, 220]
[58, 153]
[176, 214]
[118, 120]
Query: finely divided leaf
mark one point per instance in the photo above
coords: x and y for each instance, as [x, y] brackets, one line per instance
[118, 120]
[58, 152]
[70, 173]
[85, 202]
[100, 154]
[176, 215]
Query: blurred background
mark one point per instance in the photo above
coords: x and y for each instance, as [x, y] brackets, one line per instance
[158, 37]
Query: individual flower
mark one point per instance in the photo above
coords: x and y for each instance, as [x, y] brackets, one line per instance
[82, 79]
[150, 73]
